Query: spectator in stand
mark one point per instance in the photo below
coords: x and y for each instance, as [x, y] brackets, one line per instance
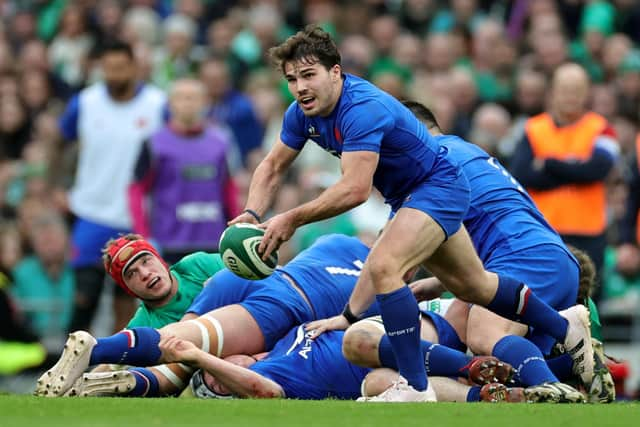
[232, 108]
[44, 282]
[176, 58]
[564, 159]
[220, 35]
[184, 171]
[489, 125]
[70, 48]
[110, 119]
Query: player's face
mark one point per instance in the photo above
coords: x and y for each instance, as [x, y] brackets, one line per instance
[216, 386]
[149, 279]
[119, 73]
[315, 88]
[187, 102]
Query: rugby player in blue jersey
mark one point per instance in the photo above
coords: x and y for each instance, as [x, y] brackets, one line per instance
[382, 144]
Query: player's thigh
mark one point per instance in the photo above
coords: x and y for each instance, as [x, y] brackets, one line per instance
[458, 315]
[410, 237]
[460, 270]
[485, 329]
[428, 330]
[230, 330]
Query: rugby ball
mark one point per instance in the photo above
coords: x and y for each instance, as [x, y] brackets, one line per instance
[239, 251]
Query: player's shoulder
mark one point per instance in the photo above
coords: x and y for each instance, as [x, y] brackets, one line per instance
[93, 92]
[152, 93]
[363, 98]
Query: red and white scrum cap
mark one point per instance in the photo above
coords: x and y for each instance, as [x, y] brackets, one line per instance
[123, 252]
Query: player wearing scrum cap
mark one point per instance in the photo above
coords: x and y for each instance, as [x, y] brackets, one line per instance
[231, 315]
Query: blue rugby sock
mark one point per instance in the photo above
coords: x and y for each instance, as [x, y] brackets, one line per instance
[526, 358]
[146, 383]
[401, 319]
[136, 347]
[561, 366]
[473, 395]
[439, 360]
[515, 301]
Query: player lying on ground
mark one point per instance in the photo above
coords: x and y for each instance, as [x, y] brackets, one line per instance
[302, 368]
[236, 316]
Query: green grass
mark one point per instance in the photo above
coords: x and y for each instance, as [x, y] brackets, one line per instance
[17, 411]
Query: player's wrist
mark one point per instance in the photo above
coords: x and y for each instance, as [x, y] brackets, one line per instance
[349, 315]
[253, 213]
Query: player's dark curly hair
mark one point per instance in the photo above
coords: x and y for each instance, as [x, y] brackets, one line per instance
[311, 45]
[106, 258]
[587, 274]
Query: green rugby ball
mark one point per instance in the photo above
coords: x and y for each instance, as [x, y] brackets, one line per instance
[238, 248]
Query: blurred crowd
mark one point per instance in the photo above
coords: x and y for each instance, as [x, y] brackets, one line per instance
[483, 67]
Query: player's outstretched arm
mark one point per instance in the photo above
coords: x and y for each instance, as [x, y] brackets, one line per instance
[353, 189]
[265, 182]
[240, 381]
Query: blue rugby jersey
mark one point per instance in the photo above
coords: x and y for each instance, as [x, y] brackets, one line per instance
[369, 119]
[312, 369]
[502, 218]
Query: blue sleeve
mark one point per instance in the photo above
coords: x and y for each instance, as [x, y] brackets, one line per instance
[293, 133]
[521, 167]
[251, 132]
[365, 135]
[594, 169]
[604, 156]
[69, 119]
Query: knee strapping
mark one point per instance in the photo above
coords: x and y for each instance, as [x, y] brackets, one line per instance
[177, 373]
[209, 326]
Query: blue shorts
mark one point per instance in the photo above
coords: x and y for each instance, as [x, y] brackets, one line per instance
[447, 336]
[274, 304]
[549, 271]
[87, 241]
[444, 196]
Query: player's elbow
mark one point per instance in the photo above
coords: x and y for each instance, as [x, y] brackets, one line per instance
[359, 194]
[265, 391]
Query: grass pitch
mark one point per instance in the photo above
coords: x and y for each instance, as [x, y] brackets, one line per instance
[112, 412]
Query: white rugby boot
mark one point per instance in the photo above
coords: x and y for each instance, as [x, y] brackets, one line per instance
[71, 365]
[115, 383]
[401, 391]
[578, 342]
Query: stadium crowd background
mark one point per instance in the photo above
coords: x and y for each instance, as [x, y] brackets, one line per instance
[482, 66]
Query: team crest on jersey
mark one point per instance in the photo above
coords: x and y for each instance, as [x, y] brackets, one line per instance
[141, 122]
[313, 132]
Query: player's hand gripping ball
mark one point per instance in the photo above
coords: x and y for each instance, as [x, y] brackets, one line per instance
[239, 251]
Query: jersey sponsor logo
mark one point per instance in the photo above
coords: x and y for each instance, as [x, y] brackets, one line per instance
[198, 211]
[304, 338]
[199, 172]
